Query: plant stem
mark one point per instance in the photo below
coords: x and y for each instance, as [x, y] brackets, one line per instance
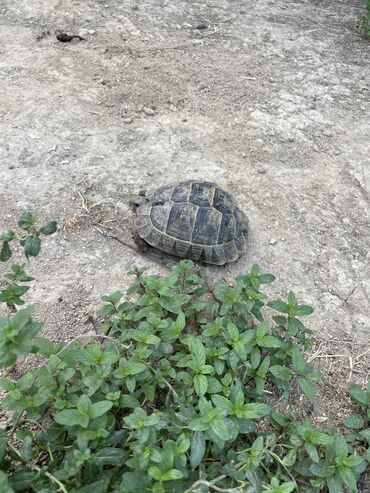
[277, 458]
[38, 469]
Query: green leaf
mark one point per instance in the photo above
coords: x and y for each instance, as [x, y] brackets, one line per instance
[341, 447]
[198, 447]
[353, 461]
[171, 475]
[109, 456]
[5, 252]
[366, 434]
[200, 384]
[295, 326]
[359, 395]
[348, 478]
[214, 386]
[49, 228]
[287, 487]
[303, 310]
[131, 368]
[279, 320]
[290, 459]
[32, 246]
[167, 456]
[21, 479]
[255, 410]
[155, 473]
[308, 388]
[21, 318]
[223, 403]
[8, 236]
[279, 306]
[27, 220]
[198, 424]
[233, 331]
[26, 449]
[262, 329]
[112, 298]
[266, 278]
[151, 339]
[44, 346]
[292, 300]
[182, 444]
[12, 294]
[271, 341]
[84, 405]
[264, 367]
[4, 484]
[255, 356]
[7, 384]
[173, 304]
[354, 422]
[198, 350]
[320, 469]
[68, 417]
[298, 361]
[100, 408]
[219, 428]
[312, 452]
[281, 372]
[318, 437]
[180, 322]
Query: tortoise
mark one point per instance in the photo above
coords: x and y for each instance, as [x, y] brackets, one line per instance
[194, 219]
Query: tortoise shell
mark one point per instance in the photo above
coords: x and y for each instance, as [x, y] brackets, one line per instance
[194, 219]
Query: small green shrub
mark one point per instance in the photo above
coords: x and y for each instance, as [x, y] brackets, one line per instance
[169, 395]
[365, 19]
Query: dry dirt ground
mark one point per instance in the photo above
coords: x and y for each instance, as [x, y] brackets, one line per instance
[269, 98]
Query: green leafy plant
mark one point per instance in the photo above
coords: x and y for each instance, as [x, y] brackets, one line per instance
[170, 394]
[365, 19]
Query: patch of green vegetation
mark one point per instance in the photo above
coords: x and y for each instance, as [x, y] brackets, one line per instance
[365, 19]
[169, 396]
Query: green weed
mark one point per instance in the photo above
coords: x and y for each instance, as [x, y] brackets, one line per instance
[169, 396]
[365, 19]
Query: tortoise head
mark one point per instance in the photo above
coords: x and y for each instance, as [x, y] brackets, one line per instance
[136, 201]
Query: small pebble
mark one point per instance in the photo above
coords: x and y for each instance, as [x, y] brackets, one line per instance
[337, 152]
[328, 133]
[261, 170]
[127, 120]
[91, 31]
[273, 241]
[173, 107]
[148, 111]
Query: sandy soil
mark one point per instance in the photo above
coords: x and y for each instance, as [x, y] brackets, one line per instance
[268, 98]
